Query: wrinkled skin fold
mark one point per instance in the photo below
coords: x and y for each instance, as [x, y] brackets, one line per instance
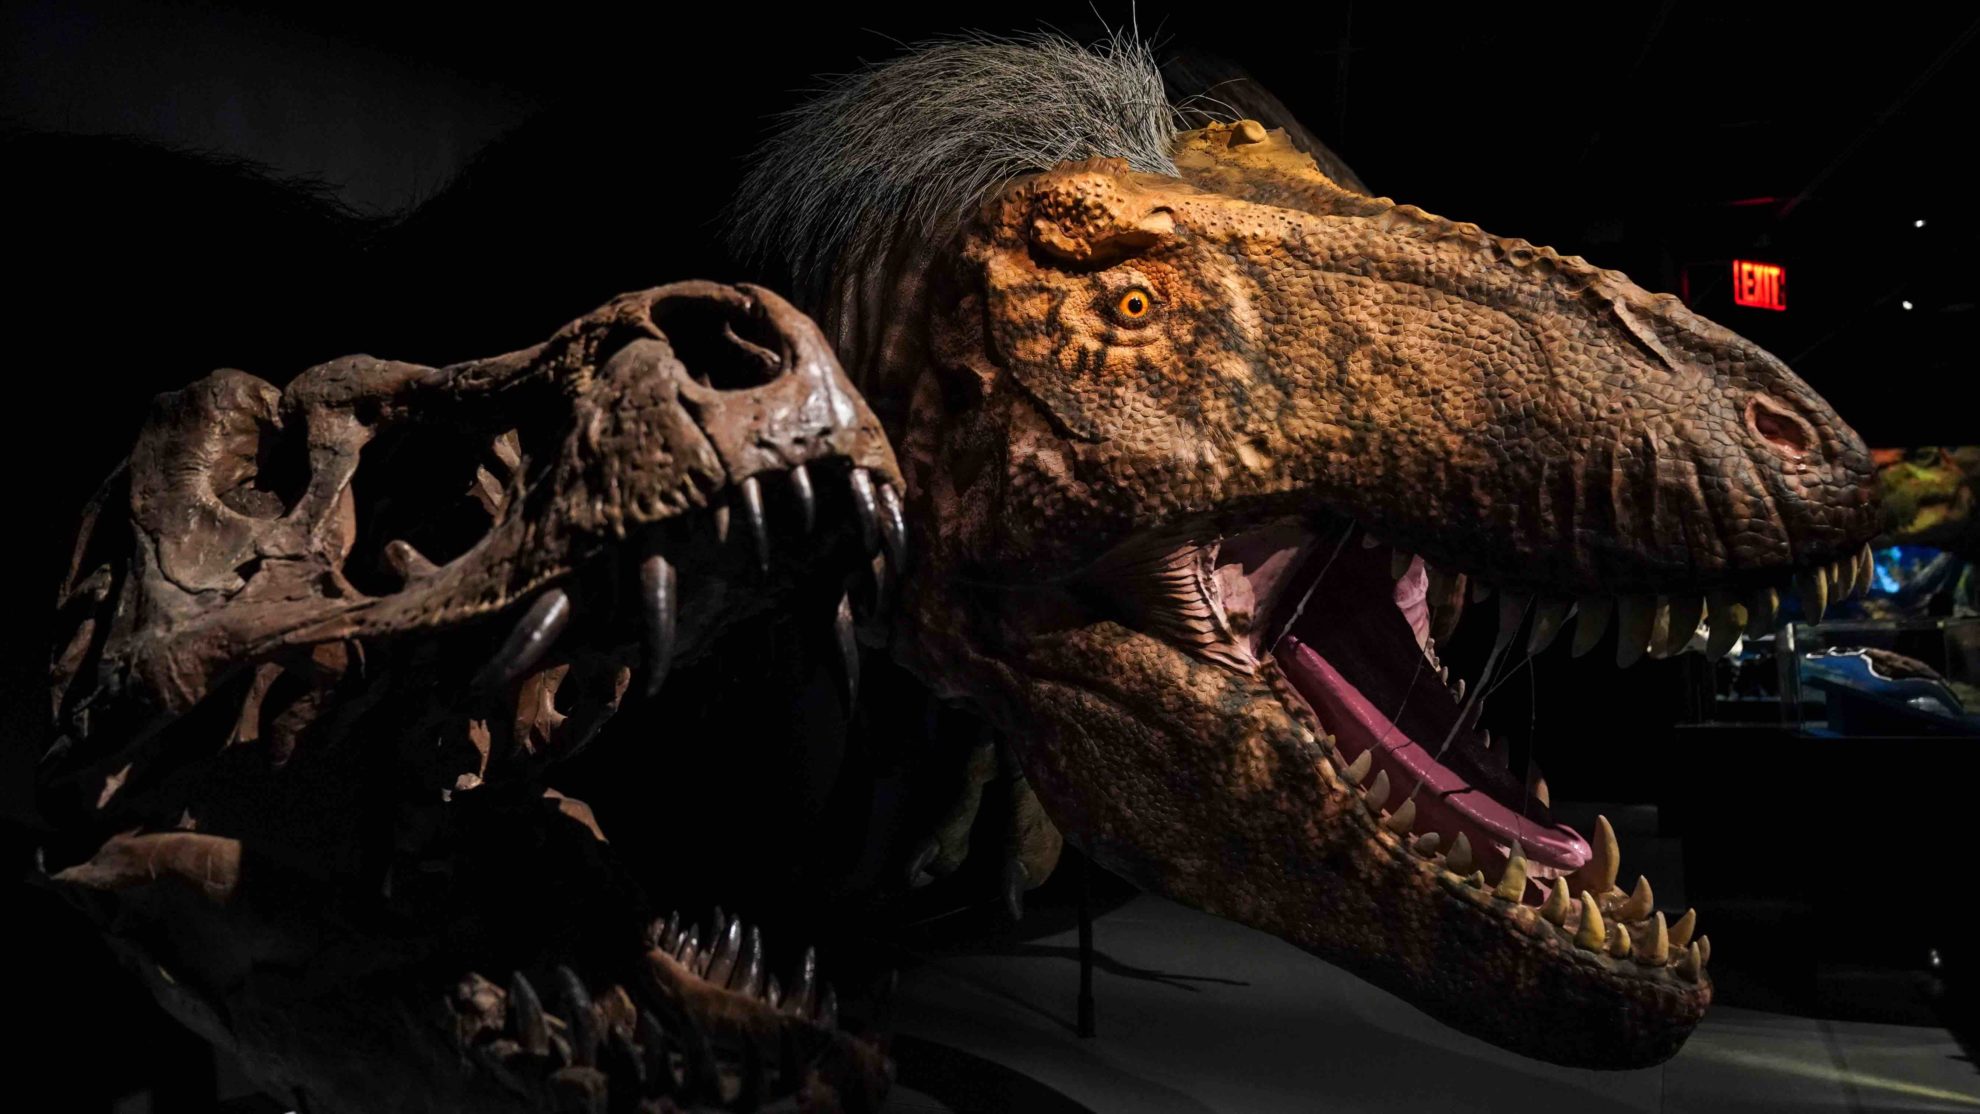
[1130, 378]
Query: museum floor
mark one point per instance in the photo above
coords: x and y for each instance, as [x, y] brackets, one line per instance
[1197, 1014]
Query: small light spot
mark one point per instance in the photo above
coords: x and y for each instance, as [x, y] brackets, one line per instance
[1918, 224]
[1906, 304]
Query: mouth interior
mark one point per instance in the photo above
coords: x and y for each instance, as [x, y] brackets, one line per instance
[1355, 643]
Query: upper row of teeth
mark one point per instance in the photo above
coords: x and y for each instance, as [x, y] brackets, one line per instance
[1602, 919]
[1661, 625]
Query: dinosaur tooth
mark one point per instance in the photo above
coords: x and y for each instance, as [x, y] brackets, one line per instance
[406, 562]
[528, 640]
[1405, 815]
[1459, 860]
[1639, 904]
[759, 529]
[1590, 936]
[866, 508]
[724, 962]
[1619, 943]
[1761, 607]
[1605, 858]
[1688, 963]
[1358, 769]
[828, 1008]
[1866, 571]
[721, 514]
[1547, 623]
[582, 1020]
[1555, 909]
[1399, 563]
[1512, 884]
[893, 525]
[842, 636]
[1682, 930]
[1636, 617]
[749, 973]
[1536, 786]
[1591, 619]
[1728, 622]
[1656, 944]
[803, 985]
[1812, 587]
[1686, 613]
[659, 596]
[1457, 691]
[807, 497]
[1704, 946]
[526, 1022]
[773, 992]
[1378, 792]
[1427, 843]
[671, 935]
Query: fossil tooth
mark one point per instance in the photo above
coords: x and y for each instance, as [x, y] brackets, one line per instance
[1399, 563]
[1459, 861]
[1728, 622]
[659, 598]
[1688, 964]
[1812, 587]
[1591, 619]
[1619, 944]
[1605, 858]
[526, 1021]
[807, 498]
[1358, 769]
[749, 973]
[804, 987]
[1656, 945]
[1555, 910]
[1761, 608]
[866, 508]
[1639, 904]
[583, 1021]
[1686, 613]
[752, 500]
[1590, 935]
[1512, 884]
[1405, 815]
[1378, 793]
[528, 641]
[724, 963]
[1427, 843]
[1682, 930]
[1636, 617]
[1457, 691]
[1547, 624]
[1704, 946]
[893, 525]
[842, 635]
[1866, 571]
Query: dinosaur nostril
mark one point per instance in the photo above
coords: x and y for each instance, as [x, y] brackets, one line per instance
[1784, 431]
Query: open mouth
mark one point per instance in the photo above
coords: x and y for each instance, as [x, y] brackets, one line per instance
[1353, 626]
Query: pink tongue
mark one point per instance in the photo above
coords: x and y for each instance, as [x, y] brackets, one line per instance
[1446, 803]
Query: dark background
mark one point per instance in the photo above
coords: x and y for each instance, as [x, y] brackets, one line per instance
[482, 176]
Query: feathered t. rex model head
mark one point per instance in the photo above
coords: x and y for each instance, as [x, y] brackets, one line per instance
[1205, 452]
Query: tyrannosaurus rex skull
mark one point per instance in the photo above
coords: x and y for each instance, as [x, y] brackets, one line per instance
[321, 642]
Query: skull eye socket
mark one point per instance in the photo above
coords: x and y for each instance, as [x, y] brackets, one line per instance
[1135, 305]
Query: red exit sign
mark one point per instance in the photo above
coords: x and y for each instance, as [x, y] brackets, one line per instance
[1760, 285]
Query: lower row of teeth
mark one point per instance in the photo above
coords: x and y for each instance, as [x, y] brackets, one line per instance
[1585, 907]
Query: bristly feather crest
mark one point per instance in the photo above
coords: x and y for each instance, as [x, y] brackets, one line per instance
[911, 145]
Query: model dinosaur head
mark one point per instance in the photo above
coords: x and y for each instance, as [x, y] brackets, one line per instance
[324, 642]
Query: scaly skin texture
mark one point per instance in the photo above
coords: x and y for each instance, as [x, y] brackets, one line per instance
[322, 645]
[1113, 359]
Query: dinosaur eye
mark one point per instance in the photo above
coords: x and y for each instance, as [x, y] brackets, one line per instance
[1135, 304]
